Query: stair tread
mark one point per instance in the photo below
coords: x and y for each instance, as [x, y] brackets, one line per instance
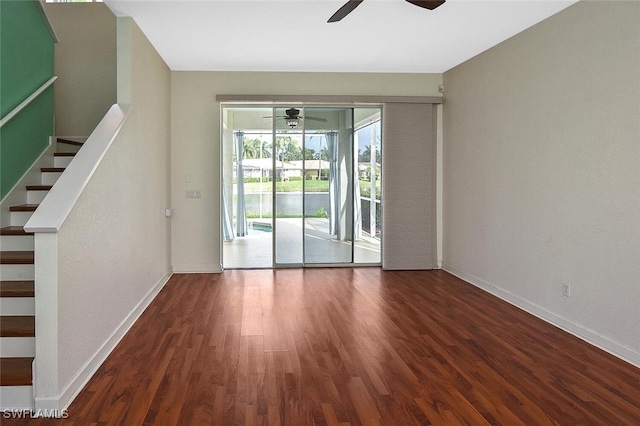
[13, 257]
[15, 371]
[17, 289]
[24, 208]
[39, 187]
[14, 230]
[17, 326]
[72, 141]
[52, 169]
[64, 154]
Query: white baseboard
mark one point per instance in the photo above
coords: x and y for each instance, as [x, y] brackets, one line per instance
[592, 337]
[68, 394]
[197, 269]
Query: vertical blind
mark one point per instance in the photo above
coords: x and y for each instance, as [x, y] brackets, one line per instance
[409, 186]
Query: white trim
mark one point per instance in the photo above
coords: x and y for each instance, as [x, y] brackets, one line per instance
[56, 206]
[77, 383]
[592, 337]
[27, 101]
[328, 99]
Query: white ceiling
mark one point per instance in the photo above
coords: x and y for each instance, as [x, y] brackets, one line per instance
[293, 35]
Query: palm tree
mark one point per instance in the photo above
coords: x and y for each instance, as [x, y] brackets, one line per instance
[251, 148]
[310, 154]
[324, 153]
[365, 156]
[288, 149]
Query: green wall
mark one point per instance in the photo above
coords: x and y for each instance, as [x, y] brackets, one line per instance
[26, 62]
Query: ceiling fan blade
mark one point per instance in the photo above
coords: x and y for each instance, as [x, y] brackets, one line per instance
[427, 4]
[346, 9]
[324, 120]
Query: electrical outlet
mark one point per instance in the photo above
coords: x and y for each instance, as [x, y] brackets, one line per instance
[566, 289]
[193, 193]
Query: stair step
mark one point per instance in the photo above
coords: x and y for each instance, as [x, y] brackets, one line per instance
[72, 141]
[17, 288]
[50, 175]
[16, 306]
[17, 347]
[18, 272]
[16, 299]
[63, 159]
[20, 218]
[39, 187]
[12, 257]
[24, 208]
[52, 169]
[17, 398]
[36, 193]
[14, 238]
[14, 230]
[15, 371]
[17, 326]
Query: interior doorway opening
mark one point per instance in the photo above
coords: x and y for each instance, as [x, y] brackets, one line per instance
[301, 186]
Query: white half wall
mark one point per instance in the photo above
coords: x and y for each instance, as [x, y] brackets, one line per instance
[542, 172]
[195, 147]
[114, 249]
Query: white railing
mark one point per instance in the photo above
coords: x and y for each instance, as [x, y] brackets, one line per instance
[27, 101]
[56, 206]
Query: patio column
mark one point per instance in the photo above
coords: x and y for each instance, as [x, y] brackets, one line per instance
[334, 189]
[226, 217]
[241, 216]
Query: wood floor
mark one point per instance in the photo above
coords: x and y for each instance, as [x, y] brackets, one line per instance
[349, 347]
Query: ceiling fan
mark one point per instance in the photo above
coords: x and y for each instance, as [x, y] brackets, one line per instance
[348, 7]
[293, 117]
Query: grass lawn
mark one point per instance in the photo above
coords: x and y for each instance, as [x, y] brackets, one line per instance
[310, 186]
[289, 186]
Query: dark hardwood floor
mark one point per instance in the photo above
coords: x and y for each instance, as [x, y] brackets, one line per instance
[349, 347]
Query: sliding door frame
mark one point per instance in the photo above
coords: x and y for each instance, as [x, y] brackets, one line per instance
[304, 101]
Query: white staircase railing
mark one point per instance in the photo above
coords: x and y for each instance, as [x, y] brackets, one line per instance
[54, 209]
[27, 101]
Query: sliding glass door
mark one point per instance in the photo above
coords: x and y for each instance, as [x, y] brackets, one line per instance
[288, 187]
[328, 186]
[317, 201]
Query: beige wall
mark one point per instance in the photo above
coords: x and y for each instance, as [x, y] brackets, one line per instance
[195, 147]
[542, 172]
[85, 63]
[114, 248]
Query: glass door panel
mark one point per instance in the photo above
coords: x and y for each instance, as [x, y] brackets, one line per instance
[368, 191]
[328, 186]
[247, 189]
[287, 154]
[301, 186]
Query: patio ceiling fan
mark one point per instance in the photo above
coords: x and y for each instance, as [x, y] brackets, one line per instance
[293, 117]
[348, 7]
